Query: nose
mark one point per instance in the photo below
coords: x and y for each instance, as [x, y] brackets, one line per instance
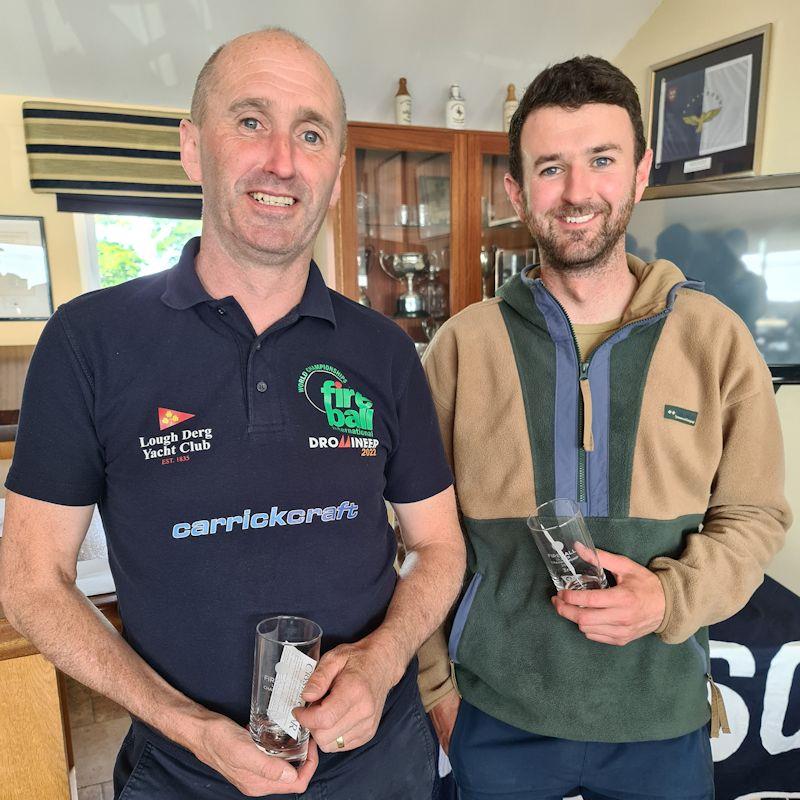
[279, 156]
[577, 185]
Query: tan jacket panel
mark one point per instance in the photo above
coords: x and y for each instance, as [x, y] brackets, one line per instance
[674, 463]
[474, 381]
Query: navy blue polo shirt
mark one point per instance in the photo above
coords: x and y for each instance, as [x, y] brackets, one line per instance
[237, 476]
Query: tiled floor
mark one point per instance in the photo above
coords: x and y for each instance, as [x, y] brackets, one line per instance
[98, 727]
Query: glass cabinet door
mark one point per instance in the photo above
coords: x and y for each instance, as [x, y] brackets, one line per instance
[403, 235]
[506, 245]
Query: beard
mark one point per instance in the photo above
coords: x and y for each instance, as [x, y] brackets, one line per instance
[579, 250]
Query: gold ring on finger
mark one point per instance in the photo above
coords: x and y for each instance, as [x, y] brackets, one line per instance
[340, 742]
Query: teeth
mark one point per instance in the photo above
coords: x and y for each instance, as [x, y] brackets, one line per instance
[271, 199]
[584, 218]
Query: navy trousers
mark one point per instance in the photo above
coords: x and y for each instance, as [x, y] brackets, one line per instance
[399, 764]
[495, 761]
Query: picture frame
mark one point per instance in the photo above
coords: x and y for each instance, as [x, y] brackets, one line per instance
[25, 287]
[434, 192]
[706, 110]
[433, 196]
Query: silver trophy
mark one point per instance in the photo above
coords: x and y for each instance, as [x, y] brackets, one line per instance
[507, 263]
[362, 261]
[487, 268]
[434, 294]
[405, 267]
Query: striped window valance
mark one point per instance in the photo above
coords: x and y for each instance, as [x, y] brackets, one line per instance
[106, 155]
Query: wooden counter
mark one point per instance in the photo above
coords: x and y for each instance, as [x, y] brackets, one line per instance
[35, 748]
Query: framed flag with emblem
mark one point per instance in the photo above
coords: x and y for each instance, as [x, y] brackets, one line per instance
[706, 110]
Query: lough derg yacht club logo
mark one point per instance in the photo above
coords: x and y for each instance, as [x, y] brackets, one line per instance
[347, 411]
[175, 447]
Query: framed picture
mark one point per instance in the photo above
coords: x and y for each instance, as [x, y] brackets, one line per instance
[24, 270]
[706, 110]
[433, 195]
[434, 192]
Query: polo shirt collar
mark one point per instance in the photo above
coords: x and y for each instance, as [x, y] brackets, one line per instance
[185, 290]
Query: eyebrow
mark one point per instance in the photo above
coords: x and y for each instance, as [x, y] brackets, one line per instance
[248, 103]
[306, 113]
[592, 151]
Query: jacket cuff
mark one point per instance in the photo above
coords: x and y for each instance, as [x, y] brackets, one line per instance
[432, 698]
[661, 630]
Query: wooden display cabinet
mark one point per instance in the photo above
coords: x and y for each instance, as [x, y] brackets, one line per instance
[434, 194]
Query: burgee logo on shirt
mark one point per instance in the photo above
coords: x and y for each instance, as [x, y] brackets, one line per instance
[348, 411]
[175, 447]
[167, 418]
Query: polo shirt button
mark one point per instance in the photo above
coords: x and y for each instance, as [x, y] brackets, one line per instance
[258, 345]
[261, 386]
[221, 311]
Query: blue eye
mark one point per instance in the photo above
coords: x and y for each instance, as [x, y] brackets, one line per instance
[548, 172]
[311, 137]
[603, 161]
[250, 123]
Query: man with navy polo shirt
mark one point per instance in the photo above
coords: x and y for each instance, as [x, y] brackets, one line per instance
[239, 426]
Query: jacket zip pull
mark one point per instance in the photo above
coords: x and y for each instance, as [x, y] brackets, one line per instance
[586, 396]
[719, 716]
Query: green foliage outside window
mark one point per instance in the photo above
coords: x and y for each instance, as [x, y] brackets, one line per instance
[129, 246]
[117, 263]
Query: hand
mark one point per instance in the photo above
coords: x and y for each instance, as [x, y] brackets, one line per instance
[228, 748]
[631, 609]
[356, 680]
[443, 717]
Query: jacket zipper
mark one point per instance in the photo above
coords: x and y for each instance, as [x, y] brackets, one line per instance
[583, 375]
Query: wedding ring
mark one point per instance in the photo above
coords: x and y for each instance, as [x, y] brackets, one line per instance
[340, 742]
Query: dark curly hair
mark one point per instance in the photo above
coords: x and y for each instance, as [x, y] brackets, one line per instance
[571, 84]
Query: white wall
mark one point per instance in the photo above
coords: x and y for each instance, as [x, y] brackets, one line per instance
[149, 52]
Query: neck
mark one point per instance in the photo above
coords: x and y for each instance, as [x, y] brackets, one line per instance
[599, 293]
[265, 291]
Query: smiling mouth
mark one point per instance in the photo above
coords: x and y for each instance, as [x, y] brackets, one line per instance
[272, 199]
[575, 220]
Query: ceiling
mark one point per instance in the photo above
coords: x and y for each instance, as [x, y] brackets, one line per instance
[149, 52]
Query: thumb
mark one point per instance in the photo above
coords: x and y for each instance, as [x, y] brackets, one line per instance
[278, 770]
[329, 666]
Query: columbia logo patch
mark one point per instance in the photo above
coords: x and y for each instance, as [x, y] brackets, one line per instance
[680, 415]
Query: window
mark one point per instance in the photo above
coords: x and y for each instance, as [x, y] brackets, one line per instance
[128, 247]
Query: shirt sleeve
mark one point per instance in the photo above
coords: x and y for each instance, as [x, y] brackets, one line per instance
[57, 455]
[416, 468]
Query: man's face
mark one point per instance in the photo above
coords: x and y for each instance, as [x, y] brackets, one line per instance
[268, 150]
[580, 182]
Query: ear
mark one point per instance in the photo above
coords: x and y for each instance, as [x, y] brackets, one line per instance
[190, 151]
[643, 173]
[337, 187]
[514, 192]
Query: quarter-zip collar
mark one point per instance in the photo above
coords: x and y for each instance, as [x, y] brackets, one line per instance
[658, 283]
